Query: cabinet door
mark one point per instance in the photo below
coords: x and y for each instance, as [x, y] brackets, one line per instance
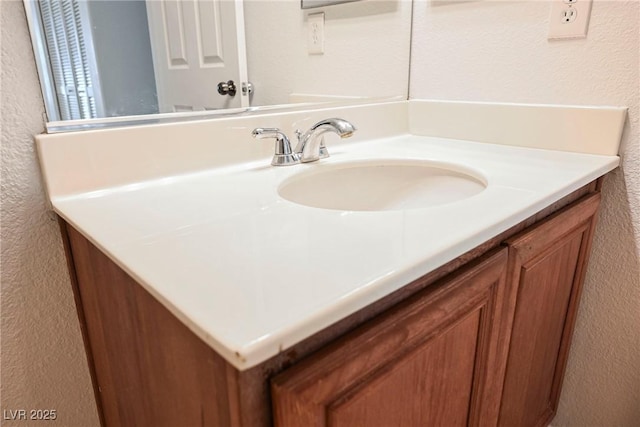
[436, 359]
[547, 264]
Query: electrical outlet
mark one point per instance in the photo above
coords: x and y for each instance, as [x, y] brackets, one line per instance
[569, 19]
[315, 34]
[569, 15]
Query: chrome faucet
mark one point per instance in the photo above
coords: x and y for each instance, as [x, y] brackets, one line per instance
[283, 156]
[311, 143]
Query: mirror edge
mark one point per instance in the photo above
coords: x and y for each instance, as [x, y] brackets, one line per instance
[311, 4]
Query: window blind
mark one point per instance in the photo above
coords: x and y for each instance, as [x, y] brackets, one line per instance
[62, 21]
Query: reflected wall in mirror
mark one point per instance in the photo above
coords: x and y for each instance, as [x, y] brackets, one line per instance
[113, 58]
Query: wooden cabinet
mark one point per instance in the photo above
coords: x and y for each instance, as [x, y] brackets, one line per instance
[434, 360]
[483, 340]
[547, 265]
[147, 367]
[438, 359]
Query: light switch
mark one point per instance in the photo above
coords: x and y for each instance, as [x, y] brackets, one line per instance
[315, 35]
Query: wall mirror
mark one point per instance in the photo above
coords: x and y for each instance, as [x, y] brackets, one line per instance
[117, 62]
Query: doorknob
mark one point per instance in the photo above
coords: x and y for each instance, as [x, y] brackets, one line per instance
[227, 88]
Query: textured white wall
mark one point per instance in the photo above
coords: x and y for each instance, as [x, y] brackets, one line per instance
[366, 49]
[468, 51]
[42, 356]
[498, 51]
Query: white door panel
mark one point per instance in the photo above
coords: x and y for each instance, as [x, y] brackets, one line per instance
[175, 43]
[209, 32]
[196, 45]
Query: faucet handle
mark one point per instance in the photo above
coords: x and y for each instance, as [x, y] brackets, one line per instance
[261, 133]
[284, 155]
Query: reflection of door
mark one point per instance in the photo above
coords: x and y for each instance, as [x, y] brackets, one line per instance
[196, 45]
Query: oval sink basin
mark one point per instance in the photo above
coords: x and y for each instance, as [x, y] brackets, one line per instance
[381, 185]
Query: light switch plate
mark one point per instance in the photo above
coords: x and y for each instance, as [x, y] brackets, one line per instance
[569, 19]
[315, 34]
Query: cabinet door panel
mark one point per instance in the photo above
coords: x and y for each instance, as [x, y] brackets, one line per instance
[424, 362]
[547, 264]
[446, 360]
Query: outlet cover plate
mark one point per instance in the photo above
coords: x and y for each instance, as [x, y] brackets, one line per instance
[561, 27]
[315, 33]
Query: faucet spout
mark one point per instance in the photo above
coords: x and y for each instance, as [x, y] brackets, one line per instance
[310, 144]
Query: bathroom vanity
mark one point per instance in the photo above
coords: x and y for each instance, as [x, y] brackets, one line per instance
[207, 298]
[435, 352]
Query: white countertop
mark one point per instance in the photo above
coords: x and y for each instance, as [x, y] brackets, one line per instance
[252, 274]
